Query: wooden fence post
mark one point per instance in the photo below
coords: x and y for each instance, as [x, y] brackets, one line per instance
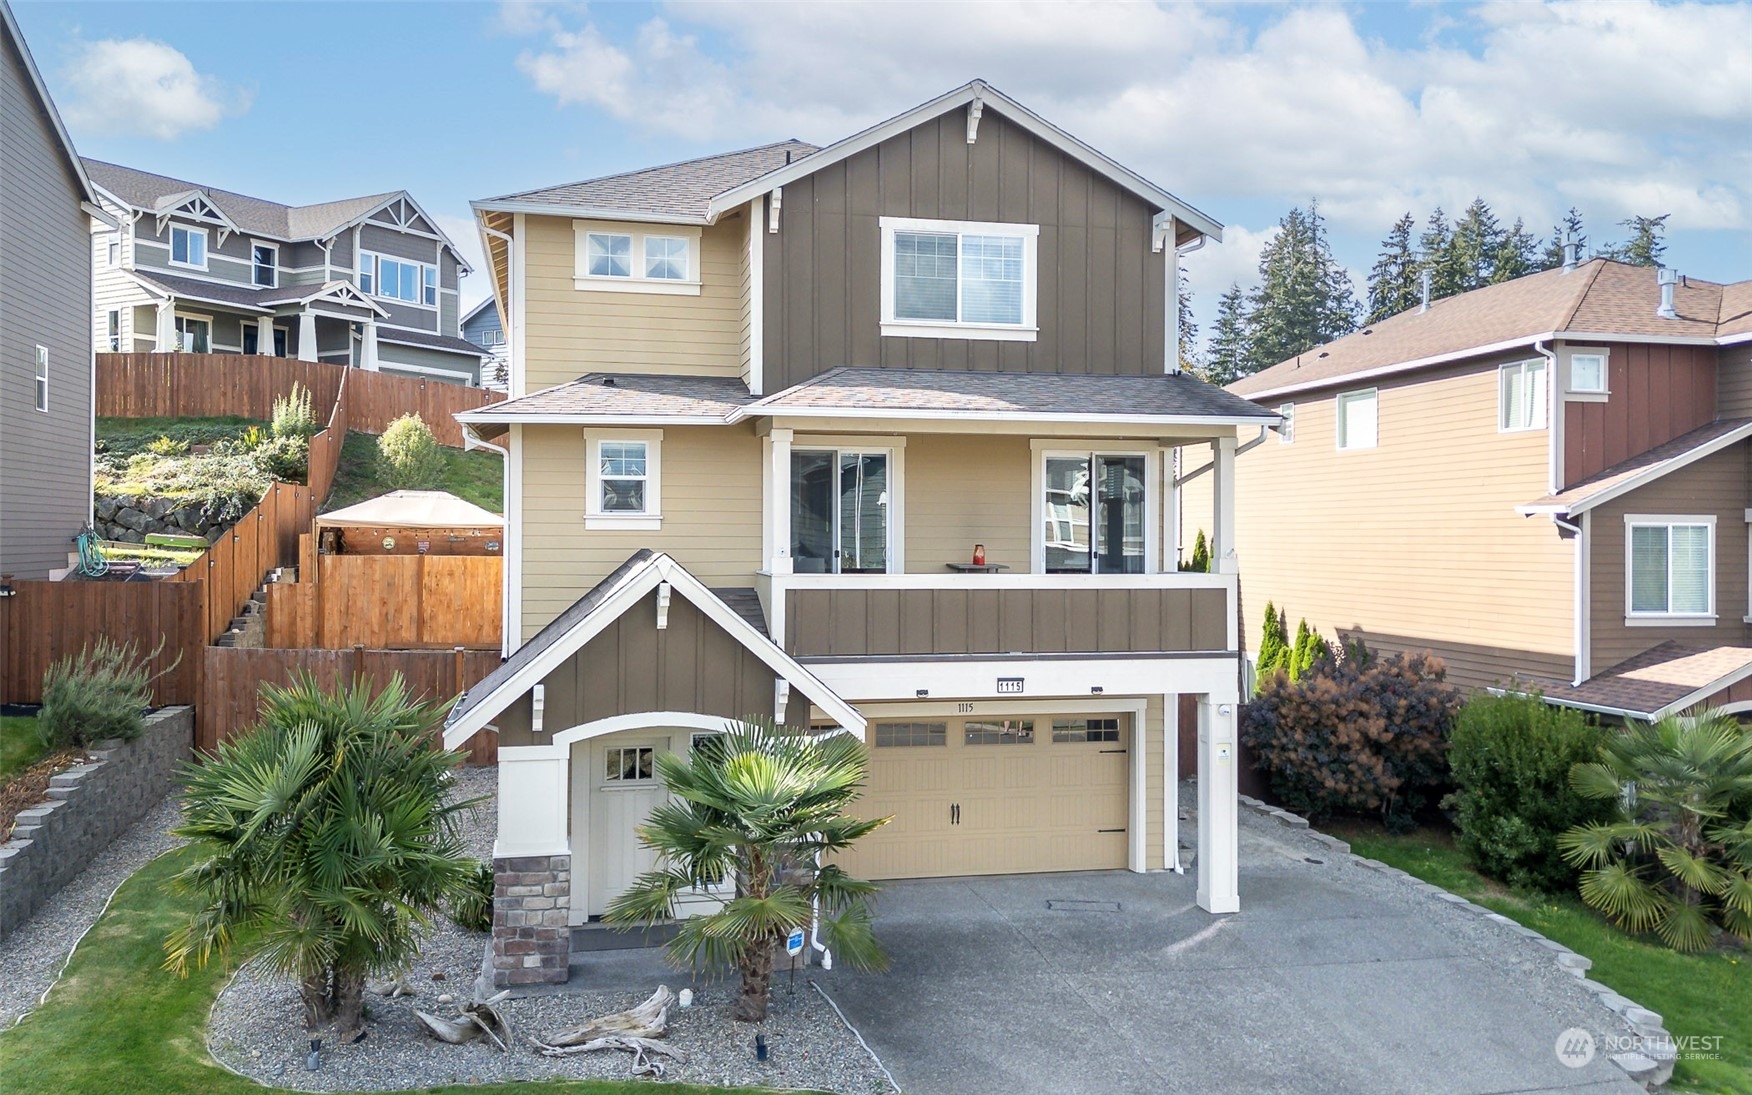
[358, 662]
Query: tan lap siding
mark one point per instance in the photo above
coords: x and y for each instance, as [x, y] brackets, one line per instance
[962, 491]
[1734, 376]
[571, 331]
[1154, 836]
[711, 503]
[1414, 544]
[1715, 485]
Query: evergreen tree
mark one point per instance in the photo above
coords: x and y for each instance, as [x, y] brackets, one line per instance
[1477, 238]
[1437, 255]
[1201, 555]
[1572, 224]
[1517, 255]
[1645, 245]
[1299, 651]
[1188, 329]
[1226, 359]
[1304, 296]
[1274, 649]
[1393, 282]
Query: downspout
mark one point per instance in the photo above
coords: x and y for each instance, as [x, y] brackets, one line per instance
[507, 313]
[1171, 293]
[815, 924]
[1554, 412]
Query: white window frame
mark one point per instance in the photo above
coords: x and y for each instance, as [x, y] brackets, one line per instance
[1668, 521]
[1587, 395]
[1287, 428]
[1079, 447]
[112, 322]
[206, 246]
[652, 516]
[687, 256]
[1373, 395]
[273, 264]
[113, 251]
[635, 281]
[637, 784]
[42, 379]
[431, 284]
[1025, 331]
[365, 267]
[1534, 393]
[892, 447]
[198, 318]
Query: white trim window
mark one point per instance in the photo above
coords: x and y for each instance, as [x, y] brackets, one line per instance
[429, 281]
[114, 323]
[1521, 396]
[1587, 372]
[188, 247]
[623, 480]
[194, 334]
[844, 512]
[114, 251]
[959, 279]
[1095, 511]
[367, 274]
[42, 378]
[1357, 419]
[627, 258]
[264, 265]
[1287, 428]
[1669, 569]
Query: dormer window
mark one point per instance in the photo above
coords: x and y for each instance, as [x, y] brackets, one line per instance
[637, 258]
[1587, 372]
[958, 279]
[188, 247]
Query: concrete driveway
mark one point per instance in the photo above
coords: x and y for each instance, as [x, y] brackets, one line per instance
[1332, 978]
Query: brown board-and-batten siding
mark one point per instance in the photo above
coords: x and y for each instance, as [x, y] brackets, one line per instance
[1100, 286]
[879, 622]
[632, 666]
[1656, 393]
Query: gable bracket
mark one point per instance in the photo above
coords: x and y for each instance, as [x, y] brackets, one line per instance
[775, 200]
[663, 606]
[1160, 229]
[974, 110]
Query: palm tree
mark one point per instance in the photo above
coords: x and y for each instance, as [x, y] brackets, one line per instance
[325, 830]
[758, 804]
[1678, 859]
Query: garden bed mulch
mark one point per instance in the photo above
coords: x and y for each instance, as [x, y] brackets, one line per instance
[31, 786]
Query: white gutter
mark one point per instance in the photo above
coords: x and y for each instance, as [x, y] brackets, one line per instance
[586, 212]
[471, 440]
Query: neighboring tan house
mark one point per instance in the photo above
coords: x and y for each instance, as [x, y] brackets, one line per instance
[481, 326]
[1548, 479]
[46, 207]
[370, 282]
[763, 408]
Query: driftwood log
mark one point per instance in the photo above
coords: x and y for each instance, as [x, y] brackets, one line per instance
[649, 1020]
[472, 1021]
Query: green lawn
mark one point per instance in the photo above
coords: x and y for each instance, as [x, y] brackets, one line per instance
[19, 745]
[477, 476]
[120, 1025]
[1698, 994]
[127, 436]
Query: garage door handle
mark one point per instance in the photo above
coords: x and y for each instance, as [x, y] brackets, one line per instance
[1113, 750]
[1110, 830]
[955, 813]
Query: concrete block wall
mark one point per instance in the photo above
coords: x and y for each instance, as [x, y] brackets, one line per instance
[89, 806]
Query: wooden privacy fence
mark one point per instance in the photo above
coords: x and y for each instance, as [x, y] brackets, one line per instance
[232, 677]
[398, 601]
[202, 385]
[234, 566]
[325, 447]
[42, 622]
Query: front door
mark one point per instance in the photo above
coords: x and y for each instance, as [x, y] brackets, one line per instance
[621, 784]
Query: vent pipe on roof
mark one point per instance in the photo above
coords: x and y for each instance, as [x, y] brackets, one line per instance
[1426, 290]
[1570, 250]
[1667, 277]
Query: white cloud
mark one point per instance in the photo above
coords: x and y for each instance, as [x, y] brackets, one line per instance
[1619, 108]
[1214, 267]
[139, 87]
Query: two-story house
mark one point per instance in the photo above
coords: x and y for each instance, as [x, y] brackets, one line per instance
[46, 205]
[874, 439]
[370, 282]
[1548, 479]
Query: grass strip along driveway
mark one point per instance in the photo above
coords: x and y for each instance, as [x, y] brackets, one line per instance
[118, 1024]
[1699, 995]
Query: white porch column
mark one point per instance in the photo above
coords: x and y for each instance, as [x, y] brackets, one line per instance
[164, 335]
[778, 502]
[1223, 557]
[307, 336]
[265, 336]
[1218, 836]
[532, 802]
[368, 346]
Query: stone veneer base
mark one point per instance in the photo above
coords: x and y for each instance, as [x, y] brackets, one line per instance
[532, 941]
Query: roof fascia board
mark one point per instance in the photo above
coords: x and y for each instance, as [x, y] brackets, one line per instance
[48, 103]
[1264, 417]
[1400, 367]
[1668, 340]
[488, 416]
[403, 195]
[172, 294]
[1726, 680]
[1649, 474]
[961, 96]
[584, 212]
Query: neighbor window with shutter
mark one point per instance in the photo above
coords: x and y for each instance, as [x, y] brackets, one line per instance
[1357, 419]
[1521, 396]
[958, 279]
[1670, 569]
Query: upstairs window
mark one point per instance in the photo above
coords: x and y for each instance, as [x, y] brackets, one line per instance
[1357, 419]
[958, 279]
[188, 247]
[666, 258]
[430, 276]
[623, 480]
[1670, 568]
[1521, 396]
[42, 378]
[609, 256]
[1587, 373]
[395, 279]
[626, 258]
[264, 263]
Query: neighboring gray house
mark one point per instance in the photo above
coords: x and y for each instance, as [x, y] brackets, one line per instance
[45, 297]
[481, 325]
[370, 282]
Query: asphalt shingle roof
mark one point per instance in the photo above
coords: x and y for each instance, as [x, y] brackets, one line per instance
[678, 189]
[1655, 461]
[1653, 680]
[429, 341]
[627, 394]
[145, 190]
[219, 292]
[908, 390]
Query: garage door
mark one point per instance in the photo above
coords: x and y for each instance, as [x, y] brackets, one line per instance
[995, 796]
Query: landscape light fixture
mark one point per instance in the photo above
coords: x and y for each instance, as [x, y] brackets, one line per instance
[760, 1047]
[314, 1061]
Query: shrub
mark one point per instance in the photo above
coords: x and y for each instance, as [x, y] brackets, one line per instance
[100, 694]
[1511, 757]
[165, 446]
[472, 911]
[408, 456]
[1274, 649]
[284, 456]
[1201, 555]
[1676, 856]
[1310, 650]
[292, 414]
[1355, 737]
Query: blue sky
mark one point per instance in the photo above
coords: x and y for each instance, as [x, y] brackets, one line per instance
[1242, 110]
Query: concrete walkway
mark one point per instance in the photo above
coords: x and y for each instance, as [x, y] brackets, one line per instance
[1332, 978]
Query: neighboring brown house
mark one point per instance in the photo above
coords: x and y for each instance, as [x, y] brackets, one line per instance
[764, 406]
[1545, 479]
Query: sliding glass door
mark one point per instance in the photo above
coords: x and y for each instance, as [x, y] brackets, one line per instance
[839, 512]
[1094, 514]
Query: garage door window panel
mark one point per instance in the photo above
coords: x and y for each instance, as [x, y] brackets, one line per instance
[903, 734]
[1001, 732]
